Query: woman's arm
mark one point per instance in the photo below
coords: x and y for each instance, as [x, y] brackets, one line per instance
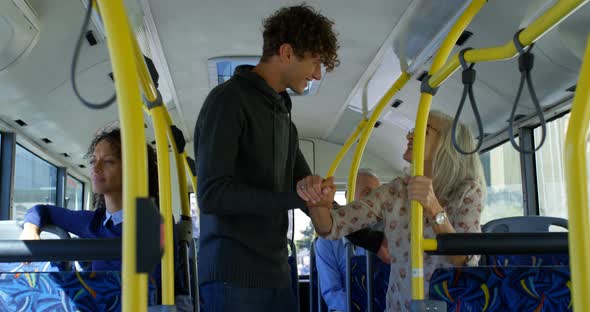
[359, 214]
[420, 189]
[73, 221]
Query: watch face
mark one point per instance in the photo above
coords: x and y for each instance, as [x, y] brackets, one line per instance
[440, 218]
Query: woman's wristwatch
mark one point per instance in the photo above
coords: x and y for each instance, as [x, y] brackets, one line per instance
[440, 218]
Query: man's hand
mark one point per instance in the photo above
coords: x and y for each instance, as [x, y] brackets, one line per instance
[316, 191]
[310, 188]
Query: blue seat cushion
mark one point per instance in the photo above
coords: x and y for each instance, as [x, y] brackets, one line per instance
[64, 291]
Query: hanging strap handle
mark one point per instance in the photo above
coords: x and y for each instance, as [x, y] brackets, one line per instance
[468, 78]
[525, 64]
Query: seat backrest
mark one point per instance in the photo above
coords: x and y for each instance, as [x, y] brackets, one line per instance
[11, 229]
[519, 225]
[523, 224]
[359, 283]
[500, 289]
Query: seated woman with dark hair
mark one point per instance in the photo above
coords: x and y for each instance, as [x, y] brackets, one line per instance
[451, 192]
[107, 183]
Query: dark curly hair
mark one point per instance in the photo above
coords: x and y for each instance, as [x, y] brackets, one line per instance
[113, 137]
[306, 30]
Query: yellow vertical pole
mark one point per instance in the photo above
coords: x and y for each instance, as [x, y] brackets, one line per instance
[577, 187]
[416, 216]
[185, 209]
[368, 129]
[164, 183]
[134, 285]
[164, 180]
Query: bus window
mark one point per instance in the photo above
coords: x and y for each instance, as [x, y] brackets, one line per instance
[74, 194]
[340, 197]
[35, 182]
[501, 167]
[303, 236]
[550, 170]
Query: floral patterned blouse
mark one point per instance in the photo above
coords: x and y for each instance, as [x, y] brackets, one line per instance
[390, 203]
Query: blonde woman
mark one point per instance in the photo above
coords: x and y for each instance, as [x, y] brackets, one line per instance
[451, 191]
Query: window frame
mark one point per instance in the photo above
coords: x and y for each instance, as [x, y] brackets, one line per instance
[57, 167]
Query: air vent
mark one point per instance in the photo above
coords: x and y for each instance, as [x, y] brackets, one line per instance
[153, 142]
[396, 103]
[90, 38]
[464, 37]
[46, 140]
[422, 76]
[519, 117]
[65, 154]
[377, 124]
[81, 166]
[20, 122]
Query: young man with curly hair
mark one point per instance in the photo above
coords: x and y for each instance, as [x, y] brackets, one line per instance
[250, 168]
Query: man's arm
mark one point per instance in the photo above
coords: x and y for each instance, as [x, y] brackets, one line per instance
[330, 278]
[301, 171]
[367, 239]
[218, 133]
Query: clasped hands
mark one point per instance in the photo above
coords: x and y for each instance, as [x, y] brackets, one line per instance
[318, 193]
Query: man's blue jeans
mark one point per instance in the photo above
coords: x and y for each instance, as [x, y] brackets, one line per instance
[225, 297]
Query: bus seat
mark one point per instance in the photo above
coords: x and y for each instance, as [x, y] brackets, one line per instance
[502, 288]
[11, 229]
[64, 291]
[525, 224]
[359, 285]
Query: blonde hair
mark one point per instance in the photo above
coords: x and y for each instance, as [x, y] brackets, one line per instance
[451, 168]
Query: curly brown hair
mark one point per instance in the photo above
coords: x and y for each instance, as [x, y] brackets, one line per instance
[306, 30]
[113, 137]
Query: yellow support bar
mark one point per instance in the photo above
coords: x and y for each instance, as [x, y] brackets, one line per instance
[368, 129]
[134, 285]
[429, 244]
[147, 84]
[164, 185]
[190, 174]
[577, 187]
[180, 159]
[532, 33]
[150, 93]
[419, 244]
[345, 148]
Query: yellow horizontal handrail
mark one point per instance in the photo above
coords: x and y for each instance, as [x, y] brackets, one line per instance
[532, 33]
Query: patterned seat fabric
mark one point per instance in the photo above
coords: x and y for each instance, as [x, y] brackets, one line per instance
[359, 284]
[64, 291]
[529, 260]
[503, 288]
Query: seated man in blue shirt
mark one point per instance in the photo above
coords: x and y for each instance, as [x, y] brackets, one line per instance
[331, 254]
